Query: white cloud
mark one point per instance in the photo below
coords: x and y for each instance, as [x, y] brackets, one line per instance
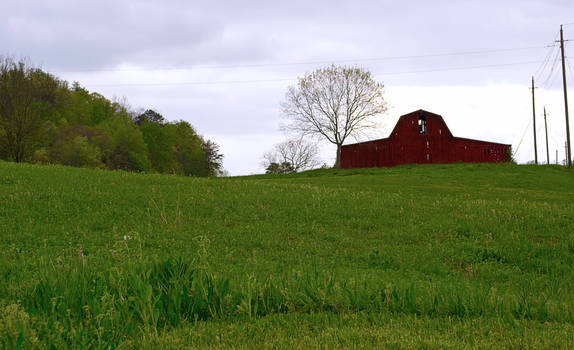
[485, 103]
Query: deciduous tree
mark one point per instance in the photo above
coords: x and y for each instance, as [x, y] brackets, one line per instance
[26, 97]
[279, 168]
[214, 158]
[298, 153]
[150, 116]
[334, 103]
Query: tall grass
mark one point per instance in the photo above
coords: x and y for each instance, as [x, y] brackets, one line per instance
[78, 304]
[94, 259]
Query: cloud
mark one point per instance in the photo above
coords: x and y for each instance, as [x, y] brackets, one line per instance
[90, 35]
[232, 57]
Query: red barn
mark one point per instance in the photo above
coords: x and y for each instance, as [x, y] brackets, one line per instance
[421, 137]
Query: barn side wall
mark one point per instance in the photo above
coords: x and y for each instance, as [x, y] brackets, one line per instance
[407, 145]
[474, 151]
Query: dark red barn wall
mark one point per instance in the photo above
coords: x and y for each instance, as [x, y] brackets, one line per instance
[408, 145]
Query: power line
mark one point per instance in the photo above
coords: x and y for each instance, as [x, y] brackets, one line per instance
[294, 79]
[552, 70]
[462, 68]
[280, 64]
[544, 64]
[215, 82]
[555, 139]
[522, 138]
[542, 67]
[569, 67]
[556, 78]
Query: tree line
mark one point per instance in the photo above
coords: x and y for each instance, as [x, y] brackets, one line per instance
[45, 120]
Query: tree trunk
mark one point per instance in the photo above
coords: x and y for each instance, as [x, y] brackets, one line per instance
[338, 159]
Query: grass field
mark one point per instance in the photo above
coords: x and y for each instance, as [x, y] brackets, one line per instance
[436, 256]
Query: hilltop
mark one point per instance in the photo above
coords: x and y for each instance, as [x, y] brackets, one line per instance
[459, 255]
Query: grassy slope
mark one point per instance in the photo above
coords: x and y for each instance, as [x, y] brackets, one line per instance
[439, 256]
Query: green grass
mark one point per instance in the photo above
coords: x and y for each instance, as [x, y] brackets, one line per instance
[437, 256]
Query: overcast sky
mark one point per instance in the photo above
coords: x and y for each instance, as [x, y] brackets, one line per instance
[224, 66]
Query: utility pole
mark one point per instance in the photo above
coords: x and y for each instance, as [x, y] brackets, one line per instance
[556, 157]
[568, 154]
[546, 131]
[534, 122]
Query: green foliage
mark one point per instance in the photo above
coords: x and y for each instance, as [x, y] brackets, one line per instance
[510, 155]
[16, 330]
[282, 168]
[126, 149]
[189, 151]
[42, 120]
[27, 99]
[214, 159]
[177, 148]
[150, 116]
[161, 142]
[78, 146]
[78, 152]
[40, 156]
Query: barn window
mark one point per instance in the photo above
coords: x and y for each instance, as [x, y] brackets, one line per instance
[422, 124]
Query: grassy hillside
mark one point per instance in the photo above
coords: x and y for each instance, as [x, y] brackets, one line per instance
[415, 256]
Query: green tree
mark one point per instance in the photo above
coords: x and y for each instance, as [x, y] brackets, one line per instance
[126, 148]
[27, 97]
[150, 116]
[160, 139]
[279, 168]
[78, 145]
[43, 120]
[188, 150]
[214, 158]
[77, 108]
[91, 109]
[79, 152]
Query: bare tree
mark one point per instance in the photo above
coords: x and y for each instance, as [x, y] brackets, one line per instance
[298, 154]
[334, 103]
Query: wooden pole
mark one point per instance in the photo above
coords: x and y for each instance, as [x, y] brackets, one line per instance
[546, 131]
[568, 154]
[534, 122]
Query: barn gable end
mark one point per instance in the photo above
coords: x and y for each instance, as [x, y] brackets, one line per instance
[421, 137]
